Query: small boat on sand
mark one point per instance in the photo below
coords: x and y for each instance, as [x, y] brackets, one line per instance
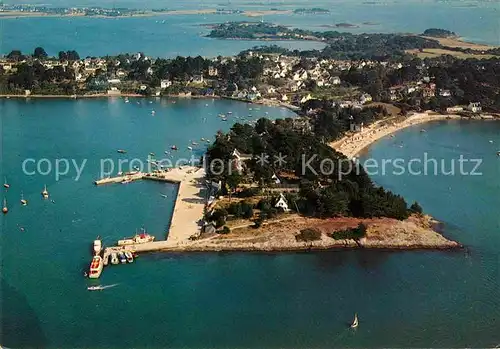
[355, 322]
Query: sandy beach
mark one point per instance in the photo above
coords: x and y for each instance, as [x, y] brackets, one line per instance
[351, 144]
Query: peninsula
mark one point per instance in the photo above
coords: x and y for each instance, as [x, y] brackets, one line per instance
[279, 203]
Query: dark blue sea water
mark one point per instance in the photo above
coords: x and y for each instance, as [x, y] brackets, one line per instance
[404, 299]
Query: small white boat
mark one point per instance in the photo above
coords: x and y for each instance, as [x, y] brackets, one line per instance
[106, 259]
[97, 246]
[153, 112]
[45, 192]
[23, 201]
[141, 238]
[122, 258]
[5, 184]
[114, 258]
[194, 143]
[130, 257]
[164, 196]
[355, 322]
[5, 209]
[190, 148]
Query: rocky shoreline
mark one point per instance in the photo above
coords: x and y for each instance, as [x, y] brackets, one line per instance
[415, 233]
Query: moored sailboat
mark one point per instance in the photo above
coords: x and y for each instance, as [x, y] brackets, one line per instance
[355, 322]
[45, 192]
[23, 201]
[5, 209]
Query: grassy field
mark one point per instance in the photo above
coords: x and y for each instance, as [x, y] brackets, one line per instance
[436, 52]
[456, 42]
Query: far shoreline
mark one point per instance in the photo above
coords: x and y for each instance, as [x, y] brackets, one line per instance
[352, 144]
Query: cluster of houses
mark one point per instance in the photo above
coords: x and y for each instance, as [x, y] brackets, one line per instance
[285, 79]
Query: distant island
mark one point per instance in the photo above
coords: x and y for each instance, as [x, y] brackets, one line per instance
[439, 33]
[309, 11]
[345, 45]
[16, 11]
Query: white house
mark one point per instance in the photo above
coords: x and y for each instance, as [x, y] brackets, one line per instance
[237, 163]
[445, 93]
[306, 98]
[366, 98]
[165, 83]
[198, 79]
[212, 71]
[475, 107]
[114, 91]
[356, 127]
[336, 80]
[275, 179]
[114, 81]
[282, 204]
[284, 98]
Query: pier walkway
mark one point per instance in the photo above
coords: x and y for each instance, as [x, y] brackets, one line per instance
[188, 210]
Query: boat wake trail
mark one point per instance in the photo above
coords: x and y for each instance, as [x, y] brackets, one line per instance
[100, 288]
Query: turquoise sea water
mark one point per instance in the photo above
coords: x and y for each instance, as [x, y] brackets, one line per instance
[404, 299]
[183, 34]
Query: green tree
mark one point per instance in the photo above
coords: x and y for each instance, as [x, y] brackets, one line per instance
[40, 53]
[416, 208]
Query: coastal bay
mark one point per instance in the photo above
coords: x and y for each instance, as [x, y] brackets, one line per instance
[185, 285]
[286, 256]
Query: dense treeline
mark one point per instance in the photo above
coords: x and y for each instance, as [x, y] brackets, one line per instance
[332, 122]
[438, 33]
[469, 80]
[340, 45]
[323, 193]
